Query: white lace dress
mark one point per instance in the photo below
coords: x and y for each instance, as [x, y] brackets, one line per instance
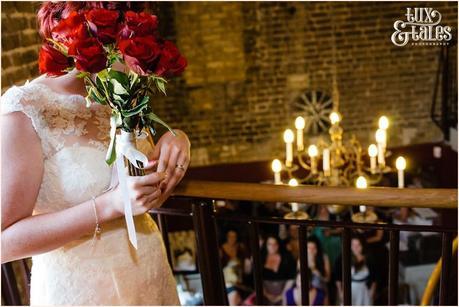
[74, 139]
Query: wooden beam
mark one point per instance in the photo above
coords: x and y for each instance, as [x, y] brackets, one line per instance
[374, 196]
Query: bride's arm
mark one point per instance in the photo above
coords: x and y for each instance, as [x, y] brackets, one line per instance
[24, 235]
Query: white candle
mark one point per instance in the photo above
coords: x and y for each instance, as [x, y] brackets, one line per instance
[326, 161]
[276, 166]
[293, 183]
[381, 140]
[313, 152]
[400, 164]
[288, 139]
[372, 152]
[299, 125]
[362, 209]
[294, 207]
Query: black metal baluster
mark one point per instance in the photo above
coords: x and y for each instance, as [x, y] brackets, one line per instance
[393, 266]
[346, 266]
[302, 235]
[213, 284]
[256, 262]
[10, 290]
[162, 223]
[446, 252]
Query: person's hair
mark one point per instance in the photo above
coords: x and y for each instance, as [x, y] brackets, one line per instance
[358, 265]
[264, 249]
[51, 12]
[319, 260]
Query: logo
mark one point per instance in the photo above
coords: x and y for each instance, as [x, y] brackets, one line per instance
[422, 27]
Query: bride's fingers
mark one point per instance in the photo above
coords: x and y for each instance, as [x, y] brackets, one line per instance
[144, 191]
[151, 164]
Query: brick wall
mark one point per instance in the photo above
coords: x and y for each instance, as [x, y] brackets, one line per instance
[248, 61]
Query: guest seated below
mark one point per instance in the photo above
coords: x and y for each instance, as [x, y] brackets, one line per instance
[278, 267]
[363, 283]
[232, 253]
[292, 297]
[319, 267]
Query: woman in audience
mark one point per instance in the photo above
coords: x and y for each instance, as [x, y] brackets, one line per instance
[278, 267]
[232, 254]
[363, 284]
[292, 297]
[319, 267]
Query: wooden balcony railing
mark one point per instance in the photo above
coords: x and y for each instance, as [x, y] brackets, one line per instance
[201, 195]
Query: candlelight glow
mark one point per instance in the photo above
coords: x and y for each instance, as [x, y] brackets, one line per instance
[372, 150]
[299, 122]
[383, 122]
[288, 136]
[313, 151]
[293, 182]
[335, 117]
[276, 165]
[380, 135]
[361, 183]
[400, 163]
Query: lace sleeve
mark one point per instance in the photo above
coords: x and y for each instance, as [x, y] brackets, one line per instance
[16, 99]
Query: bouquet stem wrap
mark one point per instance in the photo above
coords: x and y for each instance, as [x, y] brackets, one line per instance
[126, 148]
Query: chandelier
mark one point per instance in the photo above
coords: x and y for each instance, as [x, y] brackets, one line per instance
[334, 162]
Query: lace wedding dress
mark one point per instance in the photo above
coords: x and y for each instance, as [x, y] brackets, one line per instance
[74, 140]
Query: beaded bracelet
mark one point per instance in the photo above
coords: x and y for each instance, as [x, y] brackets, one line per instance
[98, 229]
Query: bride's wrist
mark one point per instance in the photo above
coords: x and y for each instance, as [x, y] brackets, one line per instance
[107, 207]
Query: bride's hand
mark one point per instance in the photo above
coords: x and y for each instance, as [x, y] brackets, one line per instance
[173, 156]
[143, 192]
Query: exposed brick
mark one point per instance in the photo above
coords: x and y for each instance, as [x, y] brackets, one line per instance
[249, 60]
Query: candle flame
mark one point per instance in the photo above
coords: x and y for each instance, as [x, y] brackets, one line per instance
[276, 166]
[383, 122]
[299, 122]
[288, 136]
[372, 150]
[313, 151]
[400, 163]
[361, 183]
[335, 117]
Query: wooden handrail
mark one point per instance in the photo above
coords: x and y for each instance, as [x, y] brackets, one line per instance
[374, 196]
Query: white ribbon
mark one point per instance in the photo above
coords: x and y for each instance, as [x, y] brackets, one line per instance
[125, 147]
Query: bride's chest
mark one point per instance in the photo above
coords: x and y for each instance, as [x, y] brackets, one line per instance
[71, 176]
[75, 139]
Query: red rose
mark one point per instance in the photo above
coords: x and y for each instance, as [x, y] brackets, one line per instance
[103, 24]
[52, 61]
[89, 55]
[138, 24]
[71, 28]
[171, 63]
[141, 54]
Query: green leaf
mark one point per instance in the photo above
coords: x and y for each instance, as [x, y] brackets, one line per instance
[134, 79]
[115, 121]
[138, 108]
[120, 77]
[103, 75]
[153, 117]
[88, 101]
[161, 85]
[118, 87]
[83, 74]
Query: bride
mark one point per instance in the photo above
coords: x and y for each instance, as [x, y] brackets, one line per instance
[56, 187]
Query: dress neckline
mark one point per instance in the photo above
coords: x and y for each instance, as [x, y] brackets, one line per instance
[47, 87]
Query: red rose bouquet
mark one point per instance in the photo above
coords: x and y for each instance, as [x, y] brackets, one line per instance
[91, 42]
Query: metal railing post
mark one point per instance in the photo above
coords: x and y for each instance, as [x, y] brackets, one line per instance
[213, 284]
[393, 266]
[346, 266]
